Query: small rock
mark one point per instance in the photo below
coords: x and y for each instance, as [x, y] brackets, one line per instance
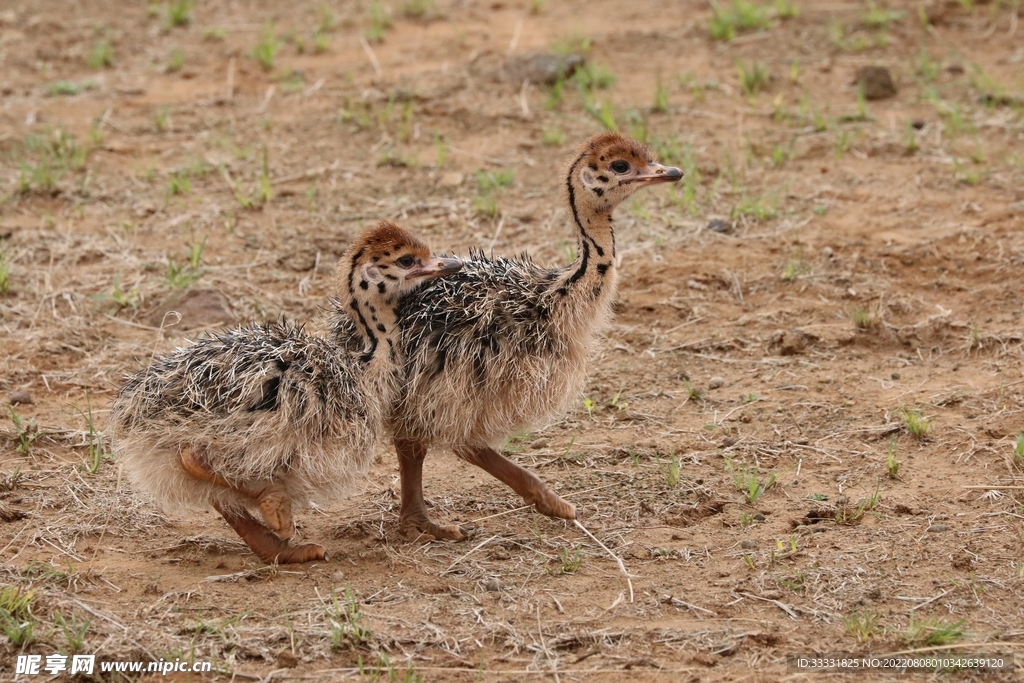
[936, 528]
[748, 545]
[728, 441]
[21, 397]
[338, 576]
[197, 308]
[540, 443]
[827, 252]
[917, 124]
[955, 69]
[876, 81]
[286, 660]
[640, 553]
[758, 517]
[541, 68]
[895, 375]
[718, 225]
[452, 179]
[716, 382]
[693, 284]
[494, 585]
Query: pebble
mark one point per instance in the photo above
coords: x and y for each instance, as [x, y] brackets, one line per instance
[936, 528]
[748, 545]
[758, 517]
[877, 82]
[718, 225]
[21, 397]
[540, 443]
[895, 375]
[338, 576]
[716, 382]
[452, 179]
[827, 252]
[494, 585]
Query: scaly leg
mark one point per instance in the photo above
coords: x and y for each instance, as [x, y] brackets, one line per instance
[274, 503]
[525, 483]
[267, 546]
[414, 519]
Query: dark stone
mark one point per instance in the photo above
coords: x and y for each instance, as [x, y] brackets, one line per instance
[718, 225]
[197, 308]
[541, 68]
[876, 81]
[21, 397]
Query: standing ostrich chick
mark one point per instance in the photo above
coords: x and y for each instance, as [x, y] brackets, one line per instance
[503, 346]
[266, 416]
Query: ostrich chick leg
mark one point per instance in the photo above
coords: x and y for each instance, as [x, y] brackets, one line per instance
[267, 546]
[275, 506]
[522, 481]
[414, 520]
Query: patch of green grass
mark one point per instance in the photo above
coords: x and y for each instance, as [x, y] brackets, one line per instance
[176, 60]
[603, 113]
[5, 269]
[94, 438]
[876, 17]
[74, 632]
[348, 625]
[590, 77]
[753, 78]
[864, 319]
[553, 137]
[672, 472]
[786, 9]
[933, 632]
[419, 9]
[916, 424]
[661, 94]
[1018, 451]
[102, 55]
[215, 34]
[265, 52]
[570, 564]
[179, 184]
[738, 16]
[26, 431]
[759, 208]
[862, 625]
[748, 480]
[179, 13]
[793, 269]
[380, 21]
[321, 41]
[892, 461]
[68, 88]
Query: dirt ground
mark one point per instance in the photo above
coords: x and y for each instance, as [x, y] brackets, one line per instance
[800, 433]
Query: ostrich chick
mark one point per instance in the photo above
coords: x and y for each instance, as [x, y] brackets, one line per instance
[503, 346]
[267, 416]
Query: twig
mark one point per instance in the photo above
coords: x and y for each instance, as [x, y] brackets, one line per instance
[477, 547]
[370, 53]
[993, 488]
[676, 602]
[781, 605]
[622, 566]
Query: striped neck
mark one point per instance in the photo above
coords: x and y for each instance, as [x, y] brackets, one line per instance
[595, 237]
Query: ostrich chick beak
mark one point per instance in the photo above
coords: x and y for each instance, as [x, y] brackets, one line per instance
[655, 173]
[437, 267]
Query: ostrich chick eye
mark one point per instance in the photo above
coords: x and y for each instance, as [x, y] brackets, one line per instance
[406, 261]
[620, 166]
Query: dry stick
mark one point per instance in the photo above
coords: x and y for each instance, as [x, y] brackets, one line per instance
[994, 488]
[231, 79]
[544, 646]
[478, 546]
[622, 566]
[370, 53]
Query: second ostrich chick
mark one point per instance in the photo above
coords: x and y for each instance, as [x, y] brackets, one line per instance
[503, 346]
[267, 416]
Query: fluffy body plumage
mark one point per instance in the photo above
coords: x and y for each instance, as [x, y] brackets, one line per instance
[268, 416]
[502, 347]
[266, 402]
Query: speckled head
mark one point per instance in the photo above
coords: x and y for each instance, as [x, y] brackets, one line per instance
[609, 167]
[386, 260]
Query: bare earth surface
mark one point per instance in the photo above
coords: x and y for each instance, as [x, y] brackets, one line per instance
[833, 276]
